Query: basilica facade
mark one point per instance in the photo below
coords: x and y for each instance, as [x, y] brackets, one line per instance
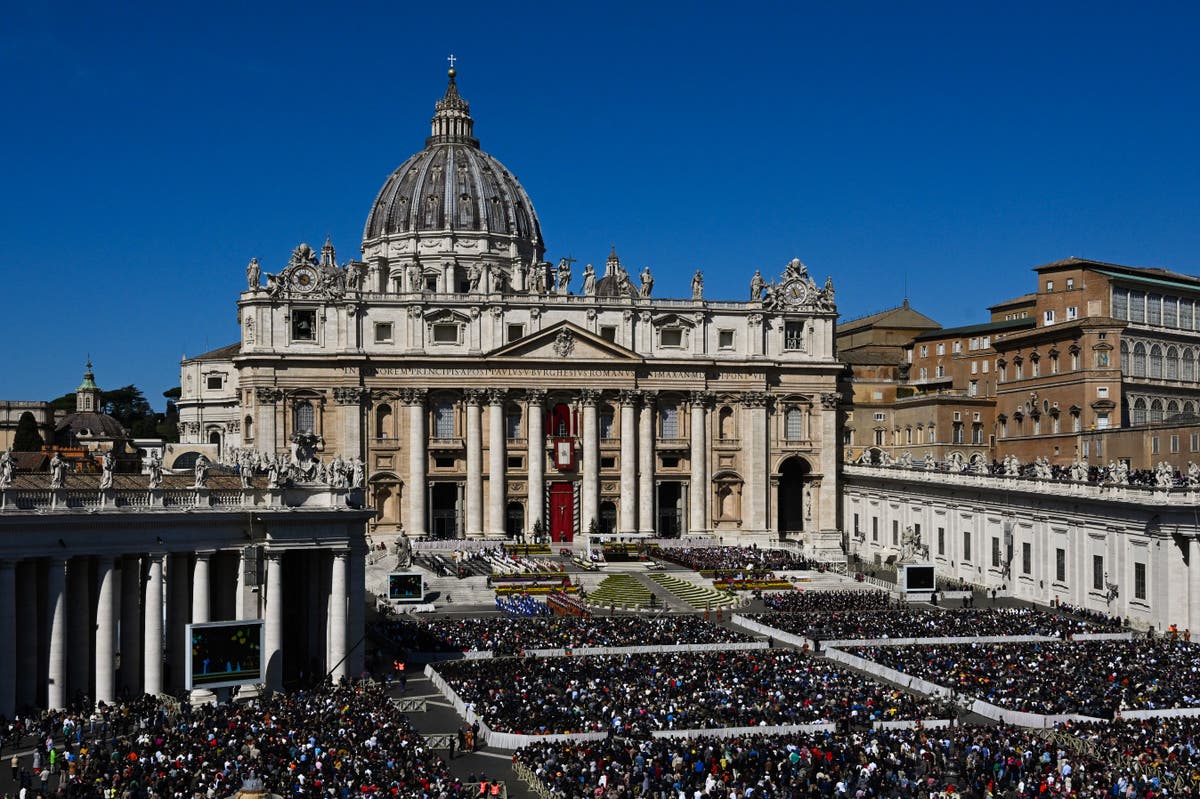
[491, 393]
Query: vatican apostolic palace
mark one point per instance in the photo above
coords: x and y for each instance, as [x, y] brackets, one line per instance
[492, 393]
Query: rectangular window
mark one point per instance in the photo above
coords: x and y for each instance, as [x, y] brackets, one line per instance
[1049, 285]
[1035, 368]
[941, 540]
[793, 335]
[1120, 303]
[1139, 581]
[973, 388]
[214, 383]
[957, 347]
[941, 349]
[874, 528]
[1174, 443]
[671, 337]
[794, 425]
[1154, 309]
[515, 332]
[941, 370]
[924, 350]
[383, 332]
[986, 366]
[1026, 557]
[856, 523]
[995, 552]
[1048, 316]
[966, 545]
[1137, 306]
[987, 342]
[895, 533]
[1060, 565]
[445, 463]
[608, 333]
[1154, 447]
[608, 462]
[1186, 314]
[1171, 311]
[880, 416]
[1098, 572]
[1195, 442]
[516, 462]
[977, 434]
[957, 435]
[304, 324]
[669, 417]
[1070, 283]
[445, 334]
[725, 339]
[974, 367]
[1072, 312]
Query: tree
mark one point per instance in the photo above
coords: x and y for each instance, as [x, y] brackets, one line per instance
[27, 438]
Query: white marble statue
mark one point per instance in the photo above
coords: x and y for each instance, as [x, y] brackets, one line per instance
[698, 285]
[253, 274]
[930, 462]
[201, 470]
[563, 284]
[156, 470]
[1193, 475]
[647, 282]
[7, 466]
[1164, 475]
[108, 465]
[757, 285]
[357, 473]
[589, 281]
[273, 468]
[58, 471]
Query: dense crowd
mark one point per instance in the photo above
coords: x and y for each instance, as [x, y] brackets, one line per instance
[723, 558]
[1092, 678]
[505, 635]
[1166, 746]
[637, 694]
[813, 601]
[927, 623]
[332, 744]
[917, 764]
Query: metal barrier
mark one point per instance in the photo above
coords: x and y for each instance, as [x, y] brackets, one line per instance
[409, 705]
[526, 774]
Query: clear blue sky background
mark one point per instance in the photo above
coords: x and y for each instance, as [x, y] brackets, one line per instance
[150, 150]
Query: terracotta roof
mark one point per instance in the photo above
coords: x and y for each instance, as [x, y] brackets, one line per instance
[986, 327]
[867, 357]
[900, 316]
[1147, 271]
[1024, 299]
[228, 352]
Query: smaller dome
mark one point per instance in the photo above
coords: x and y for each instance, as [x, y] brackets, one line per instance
[90, 425]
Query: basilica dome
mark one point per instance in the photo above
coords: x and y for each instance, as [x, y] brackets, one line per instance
[453, 187]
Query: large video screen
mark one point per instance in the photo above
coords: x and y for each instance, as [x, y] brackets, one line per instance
[225, 653]
[406, 587]
[919, 578]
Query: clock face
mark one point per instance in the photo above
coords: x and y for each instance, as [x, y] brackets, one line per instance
[796, 292]
[304, 279]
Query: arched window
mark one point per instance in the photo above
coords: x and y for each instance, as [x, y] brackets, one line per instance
[1156, 361]
[793, 423]
[1139, 360]
[1139, 411]
[215, 437]
[606, 421]
[725, 423]
[383, 421]
[1156, 411]
[1187, 371]
[668, 421]
[304, 417]
[1188, 407]
[512, 422]
[443, 419]
[1172, 408]
[1125, 365]
[1172, 365]
[248, 428]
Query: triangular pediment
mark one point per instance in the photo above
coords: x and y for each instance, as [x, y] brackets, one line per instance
[564, 341]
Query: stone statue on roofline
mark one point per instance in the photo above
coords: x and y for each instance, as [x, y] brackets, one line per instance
[108, 465]
[58, 471]
[201, 471]
[589, 280]
[757, 286]
[155, 469]
[647, 282]
[253, 275]
[698, 285]
[7, 466]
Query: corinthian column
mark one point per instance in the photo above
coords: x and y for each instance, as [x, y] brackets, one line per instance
[56, 611]
[698, 499]
[474, 397]
[496, 462]
[590, 501]
[646, 522]
[628, 517]
[418, 457]
[754, 449]
[534, 418]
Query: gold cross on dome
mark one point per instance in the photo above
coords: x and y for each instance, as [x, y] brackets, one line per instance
[451, 59]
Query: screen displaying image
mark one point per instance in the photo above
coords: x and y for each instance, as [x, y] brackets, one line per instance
[406, 587]
[224, 654]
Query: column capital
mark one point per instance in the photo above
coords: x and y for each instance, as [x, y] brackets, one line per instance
[649, 399]
[350, 395]
[412, 396]
[267, 396]
[830, 399]
[702, 399]
[589, 396]
[755, 399]
[272, 554]
[535, 396]
[628, 397]
[496, 396]
[474, 396]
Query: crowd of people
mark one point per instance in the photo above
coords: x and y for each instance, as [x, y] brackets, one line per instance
[914, 764]
[731, 558]
[830, 601]
[637, 694]
[1091, 678]
[507, 635]
[332, 744]
[911, 622]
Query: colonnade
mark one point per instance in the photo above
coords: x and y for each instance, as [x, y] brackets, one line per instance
[111, 625]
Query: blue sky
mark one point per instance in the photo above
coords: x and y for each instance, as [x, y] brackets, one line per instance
[151, 150]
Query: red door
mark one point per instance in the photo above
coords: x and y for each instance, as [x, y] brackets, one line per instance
[562, 512]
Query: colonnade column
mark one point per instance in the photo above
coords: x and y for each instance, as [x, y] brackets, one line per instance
[356, 621]
[56, 622]
[337, 615]
[8, 638]
[646, 522]
[153, 625]
[590, 499]
[629, 501]
[106, 630]
[535, 419]
[273, 621]
[474, 398]
[201, 609]
[79, 626]
[496, 462]
[27, 616]
[1194, 585]
[131, 624]
[754, 445]
[698, 457]
[418, 459]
